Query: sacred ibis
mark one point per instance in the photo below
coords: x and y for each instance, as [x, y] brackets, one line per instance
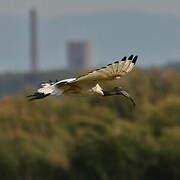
[90, 83]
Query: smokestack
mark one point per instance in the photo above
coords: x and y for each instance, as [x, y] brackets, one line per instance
[33, 41]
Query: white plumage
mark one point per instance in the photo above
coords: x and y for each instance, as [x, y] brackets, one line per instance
[89, 83]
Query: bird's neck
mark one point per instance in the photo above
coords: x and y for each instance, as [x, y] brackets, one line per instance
[110, 93]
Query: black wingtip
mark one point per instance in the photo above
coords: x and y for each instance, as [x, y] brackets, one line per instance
[135, 59]
[130, 57]
[124, 58]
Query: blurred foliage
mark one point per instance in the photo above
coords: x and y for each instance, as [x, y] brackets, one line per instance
[95, 138]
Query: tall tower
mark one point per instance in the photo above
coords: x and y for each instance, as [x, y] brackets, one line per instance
[79, 54]
[33, 41]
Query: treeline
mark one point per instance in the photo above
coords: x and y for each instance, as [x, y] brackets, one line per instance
[17, 83]
[95, 138]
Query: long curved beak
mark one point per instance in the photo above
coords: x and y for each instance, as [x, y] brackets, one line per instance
[125, 94]
[119, 91]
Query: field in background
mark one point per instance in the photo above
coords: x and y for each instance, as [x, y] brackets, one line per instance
[96, 137]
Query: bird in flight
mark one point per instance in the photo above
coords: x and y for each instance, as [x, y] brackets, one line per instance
[90, 83]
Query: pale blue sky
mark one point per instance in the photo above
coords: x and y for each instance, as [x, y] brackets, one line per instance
[149, 28]
[71, 7]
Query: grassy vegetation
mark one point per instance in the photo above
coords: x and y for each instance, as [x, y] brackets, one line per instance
[96, 137]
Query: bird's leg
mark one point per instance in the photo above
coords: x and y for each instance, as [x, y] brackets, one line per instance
[37, 96]
[119, 91]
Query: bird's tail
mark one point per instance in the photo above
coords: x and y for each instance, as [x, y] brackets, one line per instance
[47, 89]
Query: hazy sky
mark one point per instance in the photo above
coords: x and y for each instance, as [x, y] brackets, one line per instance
[149, 28]
[70, 7]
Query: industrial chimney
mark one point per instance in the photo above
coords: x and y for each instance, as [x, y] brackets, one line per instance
[33, 41]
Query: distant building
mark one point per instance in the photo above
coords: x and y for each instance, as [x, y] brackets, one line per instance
[79, 54]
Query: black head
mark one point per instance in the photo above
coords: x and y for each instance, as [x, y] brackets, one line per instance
[117, 89]
[120, 91]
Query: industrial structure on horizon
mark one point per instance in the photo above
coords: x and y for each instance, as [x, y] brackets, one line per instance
[33, 41]
[79, 54]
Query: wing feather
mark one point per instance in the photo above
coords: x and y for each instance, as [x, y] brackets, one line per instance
[126, 65]
[110, 72]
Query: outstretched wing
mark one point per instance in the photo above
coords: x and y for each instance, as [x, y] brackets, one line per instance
[110, 72]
